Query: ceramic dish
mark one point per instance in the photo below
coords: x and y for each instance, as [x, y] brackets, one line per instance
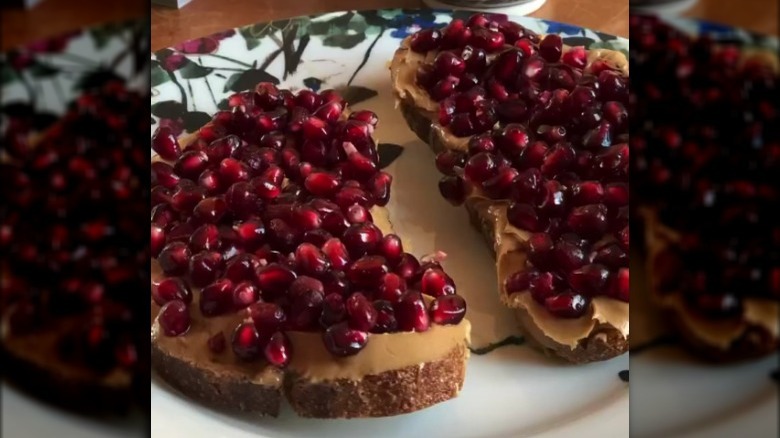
[509, 391]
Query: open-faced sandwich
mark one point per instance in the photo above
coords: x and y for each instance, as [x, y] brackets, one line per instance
[73, 255]
[531, 136]
[705, 146]
[276, 271]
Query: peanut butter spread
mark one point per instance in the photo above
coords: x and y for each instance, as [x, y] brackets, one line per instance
[758, 312]
[508, 240]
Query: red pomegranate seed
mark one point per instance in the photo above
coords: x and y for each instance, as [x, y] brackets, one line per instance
[329, 112]
[267, 95]
[205, 267]
[210, 182]
[379, 188]
[268, 317]
[245, 294]
[392, 288]
[589, 280]
[342, 341]
[568, 256]
[385, 317]
[407, 267]
[191, 164]
[174, 259]
[216, 343]
[333, 310]
[436, 283]
[205, 238]
[242, 267]
[621, 287]
[186, 196]
[540, 247]
[164, 175]
[366, 116]
[455, 34]
[566, 305]
[367, 271]
[411, 314]
[361, 314]
[250, 234]
[453, 189]
[448, 160]
[448, 310]
[589, 221]
[311, 260]
[156, 240]
[278, 351]
[519, 281]
[524, 217]
[483, 38]
[361, 239]
[444, 88]
[169, 289]
[274, 278]
[164, 142]
[322, 183]
[352, 195]
[246, 342]
[217, 298]
[337, 253]
[391, 248]
[587, 192]
[481, 167]
[425, 40]
[448, 63]
[551, 47]
[210, 210]
[174, 318]
[315, 128]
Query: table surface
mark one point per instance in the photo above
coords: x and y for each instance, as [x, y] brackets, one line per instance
[202, 17]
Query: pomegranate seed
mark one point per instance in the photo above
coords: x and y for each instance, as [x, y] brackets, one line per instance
[361, 239]
[361, 314]
[519, 282]
[448, 63]
[589, 280]
[621, 288]
[205, 267]
[444, 88]
[367, 271]
[333, 310]
[246, 342]
[322, 183]
[379, 188]
[385, 317]
[448, 160]
[481, 167]
[551, 47]
[174, 259]
[191, 164]
[337, 253]
[164, 175]
[245, 294]
[156, 240]
[425, 40]
[185, 197]
[210, 210]
[170, 289]
[366, 116]
[436, 283]
[575, 57]
[278, 351]
[589, 221]
[566, 305]
[250, 233]
[455, 34]
[216, 343]
[242, 267]
[391, 248]
[486, 39]
[267, 95]
[205, 238]
[274, 278]
[216, 298]
[352, 195]
[411, 314]
[164, 142]
[311, 260]
[342, 341]
[448, 310]
[267, 317]
[407, 267]
[329, 112]
[453, 189]
[568, 256]
[174, 318]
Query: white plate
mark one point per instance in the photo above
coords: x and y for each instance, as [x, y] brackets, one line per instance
[512, 392]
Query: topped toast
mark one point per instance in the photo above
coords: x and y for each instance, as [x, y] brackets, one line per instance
[531, 136]
[275, 270]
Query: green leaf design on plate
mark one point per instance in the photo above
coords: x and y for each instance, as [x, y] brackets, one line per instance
[158, 75]
[194, 120]
[313, 83]
[7, 74]
[168, 109]
[246, 80]
[40, 70]
[344, 41]
[190, 70]
[95, 79]
[355, 94]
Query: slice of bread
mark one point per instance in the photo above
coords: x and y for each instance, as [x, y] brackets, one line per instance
[603, 340]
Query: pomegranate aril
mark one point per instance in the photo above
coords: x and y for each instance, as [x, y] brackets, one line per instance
[411, 313]
[164, 175]
[174, 259]
[274, 278]
[621, 285]
[267, 96]
[444, 88]
[191, 164]
[174, 318]
[453, 189]
[242, 267]
[246, 342]
[448, 63]
[267, 317]
[379, 188]
[305, 218]
[425, 40]
[216, 298]
[342, 341]
[311, 260]
[367, 272]
[337, 253]
[347, 196]
[481, 167]
[589, 280]
[568, 256]
[361, 314]
[186, 196]
[483, 38]
[205, 238]
[575, 57]
[333, 310]
[281, 235]
[322, 183]
[278, 351]
[205, 267]
[169, 289]
[156, 240]
[448, 310]
[589, 221]
[210, 210]
[385, 317]
[435, 282]
[361, 239]
[245, 294]
[566, 305]
[164, 142]
[455, 34]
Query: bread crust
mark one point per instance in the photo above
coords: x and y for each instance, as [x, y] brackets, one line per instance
[604, 341]
[217, 391]
[389, 393]
[386, 394]
[44, 375]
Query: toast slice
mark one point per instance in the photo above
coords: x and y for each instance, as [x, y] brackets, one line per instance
[603, 332]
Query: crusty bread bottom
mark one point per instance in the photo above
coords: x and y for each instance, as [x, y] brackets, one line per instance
[604, 342]
[389, 393]
[31, 363]
[381, 395]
